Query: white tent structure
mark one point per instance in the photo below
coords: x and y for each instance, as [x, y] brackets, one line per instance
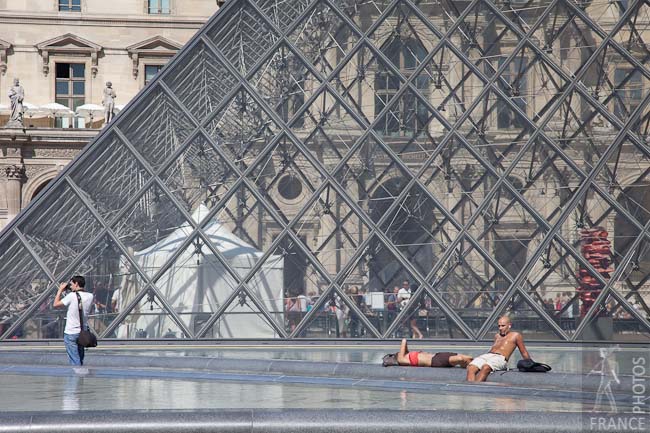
[198, 284]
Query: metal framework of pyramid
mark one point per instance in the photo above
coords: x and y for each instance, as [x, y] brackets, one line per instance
[299, 161]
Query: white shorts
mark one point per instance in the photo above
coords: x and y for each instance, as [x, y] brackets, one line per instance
[494, 360]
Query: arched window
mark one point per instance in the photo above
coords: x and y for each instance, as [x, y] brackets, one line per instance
[38, 190]
[409, 114]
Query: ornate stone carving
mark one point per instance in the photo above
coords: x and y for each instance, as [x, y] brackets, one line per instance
[46, 62]
[12, 152]
[4, 47]
[32, 170]
[15, 172]
[55, 153]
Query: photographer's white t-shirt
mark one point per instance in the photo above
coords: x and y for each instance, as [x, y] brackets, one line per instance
[72, 325]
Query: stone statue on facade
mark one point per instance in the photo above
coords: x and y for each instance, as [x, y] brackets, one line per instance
[16, 97]
[109, 102]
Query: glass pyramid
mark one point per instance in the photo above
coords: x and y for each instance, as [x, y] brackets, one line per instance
[359, 169]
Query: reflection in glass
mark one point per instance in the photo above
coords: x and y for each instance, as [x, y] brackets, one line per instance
[361, 178]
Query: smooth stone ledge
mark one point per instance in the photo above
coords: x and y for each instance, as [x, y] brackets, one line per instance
[551, 380]
[296, 420]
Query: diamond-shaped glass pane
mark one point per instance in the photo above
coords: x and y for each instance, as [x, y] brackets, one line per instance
[506, 217]
[614, 320]
[58, 244]
[156, 126]
[543, 179]
[200, 176]
[483, 37]
[419, 229]
[409, 127]
[248, 219]
[95, 176]
[369, 175]
[198, 282]
[23, 282]
[367, 82]
[243, 36]
[404, 38]
[152, 224]
[323, 37]
[564, 40]
[242, 318]
[470, 284]
[625, 179]
[242, 129]
[285, 83]
[282, 14]
[498, 129]
[148, 319]
[458, 179]
[288, 282]
[451, 87]
[285, 176]
[331, 229]
[328, 130]
[581, 130]
[201, 81]
[633, 278]
[531, 82]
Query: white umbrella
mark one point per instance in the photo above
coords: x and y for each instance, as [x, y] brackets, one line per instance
[30, 109]
[89, 110]
[56, 109]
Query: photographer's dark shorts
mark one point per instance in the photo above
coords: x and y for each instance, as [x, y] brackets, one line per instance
[441, 359]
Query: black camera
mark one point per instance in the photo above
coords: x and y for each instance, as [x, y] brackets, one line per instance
[67, 289]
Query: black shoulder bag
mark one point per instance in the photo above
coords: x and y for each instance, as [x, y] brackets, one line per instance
[530, 366]
[86, 338]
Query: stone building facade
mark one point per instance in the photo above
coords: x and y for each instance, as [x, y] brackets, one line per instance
[77, 45]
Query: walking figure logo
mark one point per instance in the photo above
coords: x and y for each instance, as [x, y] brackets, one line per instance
[607, 372]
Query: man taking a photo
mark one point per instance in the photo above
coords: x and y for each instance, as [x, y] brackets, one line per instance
[72, 323]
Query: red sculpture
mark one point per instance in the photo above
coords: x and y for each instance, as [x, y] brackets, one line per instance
[597, 250]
